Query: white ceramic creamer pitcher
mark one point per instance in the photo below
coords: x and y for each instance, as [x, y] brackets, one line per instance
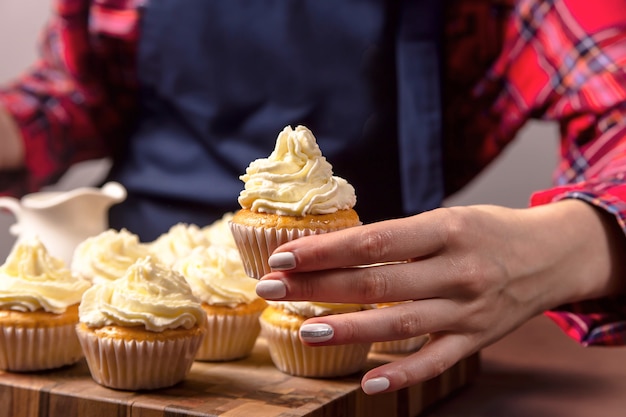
[63, 219]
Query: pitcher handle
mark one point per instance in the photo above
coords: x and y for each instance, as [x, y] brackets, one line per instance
[14, 206]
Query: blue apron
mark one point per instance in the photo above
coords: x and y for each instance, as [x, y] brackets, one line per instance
[221, 78]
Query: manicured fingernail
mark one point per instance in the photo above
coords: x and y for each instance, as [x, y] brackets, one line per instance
[272, 289]
[375, 385]
[282, 261]
[316, 333]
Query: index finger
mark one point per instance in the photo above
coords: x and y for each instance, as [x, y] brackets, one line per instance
[395, 240]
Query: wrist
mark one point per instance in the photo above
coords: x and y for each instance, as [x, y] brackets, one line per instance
[581, 251]
[12, 155]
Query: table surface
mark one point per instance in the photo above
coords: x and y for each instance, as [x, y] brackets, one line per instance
[538, 371]
[535, 371]
[245, 388]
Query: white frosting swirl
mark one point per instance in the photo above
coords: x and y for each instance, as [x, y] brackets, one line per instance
[310, 309]
[106, 256]
[178, 242]
[31, 279]
[295, 180]
[217, 277]
[149, 294]
[219, 234]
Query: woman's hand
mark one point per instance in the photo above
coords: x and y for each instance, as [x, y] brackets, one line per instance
[473, 274]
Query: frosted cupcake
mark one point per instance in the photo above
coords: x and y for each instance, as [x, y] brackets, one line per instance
[290, 194]
[106, 256]
[281, 322]
[38, 310]
[141, 331]
[407, 345]
[178, 242]
[216, 276]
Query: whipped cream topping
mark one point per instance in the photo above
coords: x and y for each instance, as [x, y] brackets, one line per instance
[219, 233]
[295, 180]
[178, 242]
[106, 256]
[310, 309]
[149, 295]
[217, 277]
[31, 279]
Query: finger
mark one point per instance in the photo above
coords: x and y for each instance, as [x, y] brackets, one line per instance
[434, 358]
[427, 278]
[388, 241]
[397, 322]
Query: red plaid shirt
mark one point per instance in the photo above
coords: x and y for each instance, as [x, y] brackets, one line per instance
[506, 62]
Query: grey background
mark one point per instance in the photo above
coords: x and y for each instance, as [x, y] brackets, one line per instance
[525, 166]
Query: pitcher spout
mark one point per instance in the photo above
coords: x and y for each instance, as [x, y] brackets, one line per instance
[109, 194]
[98, 198]
[115, 191]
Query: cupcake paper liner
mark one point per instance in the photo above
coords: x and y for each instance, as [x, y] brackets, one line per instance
[138, 365]
[229, 337]
[25, 349]
[411, 344]
[256, 244]
[291, 356]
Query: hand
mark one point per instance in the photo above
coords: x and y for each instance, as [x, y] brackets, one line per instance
[474, 274]
[12, 155]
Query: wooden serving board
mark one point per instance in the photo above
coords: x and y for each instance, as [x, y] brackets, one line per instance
[249, 387]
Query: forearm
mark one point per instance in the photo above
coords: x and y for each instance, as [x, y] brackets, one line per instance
[12, 155]
[589, 320]
[77, 102]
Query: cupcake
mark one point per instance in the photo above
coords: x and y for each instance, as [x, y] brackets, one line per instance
[106, 256]
[280, 324]
[141, 331]
[407, 345]
[38, 310]
[178, 242]
[290, 194]
[217, 278]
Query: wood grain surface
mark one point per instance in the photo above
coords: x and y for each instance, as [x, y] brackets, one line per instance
[249, 387]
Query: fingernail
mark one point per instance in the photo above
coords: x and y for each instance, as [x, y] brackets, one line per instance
[316, 333]
[282, 261]
[272, 289]
[376, 385]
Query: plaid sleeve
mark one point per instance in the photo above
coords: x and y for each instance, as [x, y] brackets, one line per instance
[75, 101]
[565, 60]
